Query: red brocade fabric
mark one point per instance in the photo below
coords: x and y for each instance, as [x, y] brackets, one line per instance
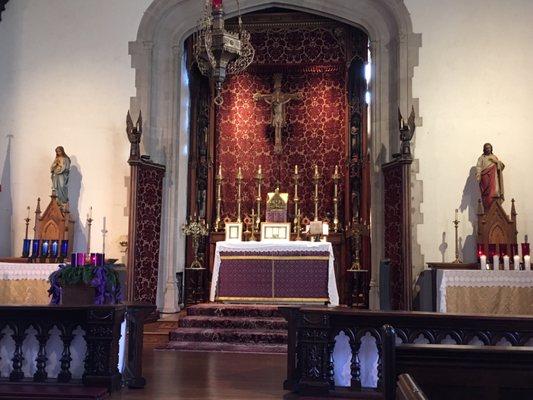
[315, 133]
[312, 62]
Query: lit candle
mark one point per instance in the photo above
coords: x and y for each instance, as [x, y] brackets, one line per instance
[296, 169]
[259, 171]
[220, 171]
[527, 262]
[496, 262]
[506, 262]
[516, 261]
[483, 261]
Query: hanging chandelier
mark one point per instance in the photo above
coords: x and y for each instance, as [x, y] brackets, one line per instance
[219, 52]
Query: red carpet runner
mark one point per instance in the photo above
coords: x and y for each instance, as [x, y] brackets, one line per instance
[232, 328]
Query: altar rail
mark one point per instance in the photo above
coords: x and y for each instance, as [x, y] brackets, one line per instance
[102, 331]
[312, 332]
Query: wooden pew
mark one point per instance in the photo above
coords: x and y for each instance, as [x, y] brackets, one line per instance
[407, 389]
[459, 372]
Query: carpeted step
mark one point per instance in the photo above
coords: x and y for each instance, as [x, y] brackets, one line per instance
[228, 335]
[266, 348]
[207, 321]
[234, 310]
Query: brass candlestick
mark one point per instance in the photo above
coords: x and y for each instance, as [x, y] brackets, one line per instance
[296, 179]
[239, 198]
[356, 231]
[89, 223]
[218, 180]
[297, 225]
[253, 216]
[27, 219]
[316, 181]
[196, 229]
[336, 178]
[259, 180]
[456, 225]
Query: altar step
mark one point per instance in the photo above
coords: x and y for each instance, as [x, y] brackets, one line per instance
[231, 328]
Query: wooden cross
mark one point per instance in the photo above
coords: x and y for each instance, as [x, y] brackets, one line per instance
[277, 100]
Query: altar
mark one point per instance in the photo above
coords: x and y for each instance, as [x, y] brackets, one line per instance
[25, 283]
[500, 292]
[295, 272]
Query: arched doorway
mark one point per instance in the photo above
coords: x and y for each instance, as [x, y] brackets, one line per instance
[157, 58]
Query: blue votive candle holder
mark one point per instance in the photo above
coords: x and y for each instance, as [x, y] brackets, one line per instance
[54, 249]
[64, 248]
[35, 247]
[26, 248]
[45, 248]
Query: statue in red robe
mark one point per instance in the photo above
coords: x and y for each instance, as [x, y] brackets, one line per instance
[489, 175]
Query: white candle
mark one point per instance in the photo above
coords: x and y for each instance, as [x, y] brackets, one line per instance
[456, 214]
[483, 261]
[496, 262]
[506, 262]
[103, 225]
[325, 229]
[516, 262]
[527, 262]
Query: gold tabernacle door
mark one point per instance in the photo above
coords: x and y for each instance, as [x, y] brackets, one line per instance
[276, 206]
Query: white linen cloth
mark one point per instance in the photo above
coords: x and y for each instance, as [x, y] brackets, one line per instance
[19, 271]
[295, 246]
[478, 278]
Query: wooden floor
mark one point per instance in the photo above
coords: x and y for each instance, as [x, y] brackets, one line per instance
[214, 376]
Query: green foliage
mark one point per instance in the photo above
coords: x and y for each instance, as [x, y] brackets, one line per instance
[84, 275]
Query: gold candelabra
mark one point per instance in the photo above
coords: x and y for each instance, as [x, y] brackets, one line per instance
[196, 229]
[259, 180]
[456, 225]
[336, 178]
[218, 180]
[316, 181]
[356, 230]
[296, 179]
[239, 194]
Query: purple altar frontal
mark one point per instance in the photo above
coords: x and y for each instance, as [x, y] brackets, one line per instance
[296, 272]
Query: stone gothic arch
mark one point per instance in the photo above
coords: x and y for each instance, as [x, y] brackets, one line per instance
[156, 57]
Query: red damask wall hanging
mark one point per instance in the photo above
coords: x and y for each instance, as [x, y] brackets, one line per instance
[312, 62]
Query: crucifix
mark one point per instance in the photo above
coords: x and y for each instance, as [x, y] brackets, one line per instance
[277, 100]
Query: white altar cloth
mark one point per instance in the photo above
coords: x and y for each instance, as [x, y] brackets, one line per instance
[479, 278]
[281, 246]
[19, 271]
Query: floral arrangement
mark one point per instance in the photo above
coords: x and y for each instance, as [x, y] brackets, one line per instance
[104, 279]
